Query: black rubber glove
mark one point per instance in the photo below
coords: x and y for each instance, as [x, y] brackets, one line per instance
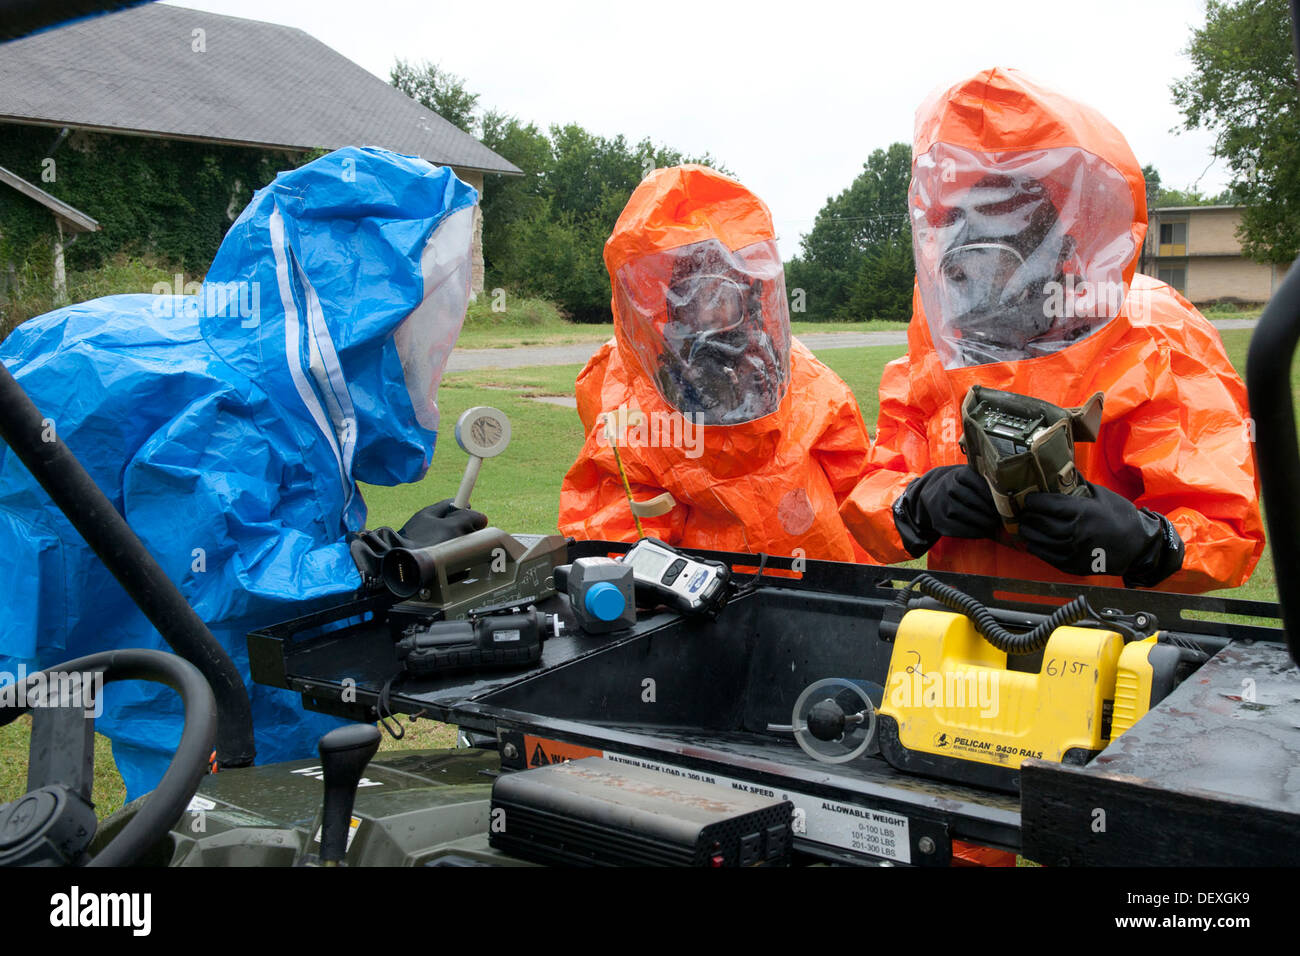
[1104, 534]
[430, 525]
[952, 501]
[440, 522]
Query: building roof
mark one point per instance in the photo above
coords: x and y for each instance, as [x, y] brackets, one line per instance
[77, 220]
[254, 84]
[1201, 208]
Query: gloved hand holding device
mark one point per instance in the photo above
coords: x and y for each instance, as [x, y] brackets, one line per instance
[1102, 534]
[949, 501]
[431, 525]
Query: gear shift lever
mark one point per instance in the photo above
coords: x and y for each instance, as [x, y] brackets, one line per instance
[344, 754]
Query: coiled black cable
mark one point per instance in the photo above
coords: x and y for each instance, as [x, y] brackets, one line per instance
[1008, 641]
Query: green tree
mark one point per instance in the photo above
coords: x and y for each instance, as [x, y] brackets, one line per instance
[882, 288]
[586, 186]
[1192, 196]
[1243, 88]
[509, 201]
[544, 232]
[437, 90]
[1158, 196]
[870, 217]
[1151, 176]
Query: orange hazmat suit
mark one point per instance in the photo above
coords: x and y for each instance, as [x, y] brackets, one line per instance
[1028, 215]
[704, 391]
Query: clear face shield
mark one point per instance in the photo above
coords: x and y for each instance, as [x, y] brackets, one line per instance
[711, 328]
[426, 337]
[1018, 255]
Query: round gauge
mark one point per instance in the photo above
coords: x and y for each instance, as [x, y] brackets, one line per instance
[483, 431]
[834, 720]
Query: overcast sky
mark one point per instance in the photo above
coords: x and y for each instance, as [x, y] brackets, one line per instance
[791, 96]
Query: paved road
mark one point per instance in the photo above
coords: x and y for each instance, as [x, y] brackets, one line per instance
[463, 360]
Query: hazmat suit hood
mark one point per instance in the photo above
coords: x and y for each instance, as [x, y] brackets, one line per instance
[387, 238]
[1028, 213]
[700, 310]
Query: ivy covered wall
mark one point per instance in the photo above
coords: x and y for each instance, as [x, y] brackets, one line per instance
[172, 201]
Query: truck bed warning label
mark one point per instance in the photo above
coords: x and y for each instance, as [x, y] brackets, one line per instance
[542, 752]
[844, 825]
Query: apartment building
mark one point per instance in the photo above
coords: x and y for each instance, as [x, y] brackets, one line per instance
[1196, 250]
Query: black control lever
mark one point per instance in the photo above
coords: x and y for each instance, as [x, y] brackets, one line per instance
[828, 721]
[344, 754]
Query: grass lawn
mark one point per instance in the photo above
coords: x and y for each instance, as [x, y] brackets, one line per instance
[509, 337]
[520, 491]
[536, 322]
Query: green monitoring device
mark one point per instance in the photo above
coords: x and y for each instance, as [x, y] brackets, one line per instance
[1022, 445]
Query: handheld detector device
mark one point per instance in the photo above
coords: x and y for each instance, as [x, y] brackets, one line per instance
[688, 585]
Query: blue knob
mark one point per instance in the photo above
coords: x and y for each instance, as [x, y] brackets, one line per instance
[605, 601]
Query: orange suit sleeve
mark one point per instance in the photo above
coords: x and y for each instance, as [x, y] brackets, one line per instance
[900, 454]
[1191, 444]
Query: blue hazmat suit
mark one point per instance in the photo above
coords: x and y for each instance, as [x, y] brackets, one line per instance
[231, 428]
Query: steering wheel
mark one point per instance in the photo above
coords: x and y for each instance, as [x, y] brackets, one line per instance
[54, 822]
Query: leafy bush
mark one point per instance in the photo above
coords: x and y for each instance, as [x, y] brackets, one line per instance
[500, 308]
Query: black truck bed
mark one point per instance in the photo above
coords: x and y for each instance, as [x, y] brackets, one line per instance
[696, 698]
